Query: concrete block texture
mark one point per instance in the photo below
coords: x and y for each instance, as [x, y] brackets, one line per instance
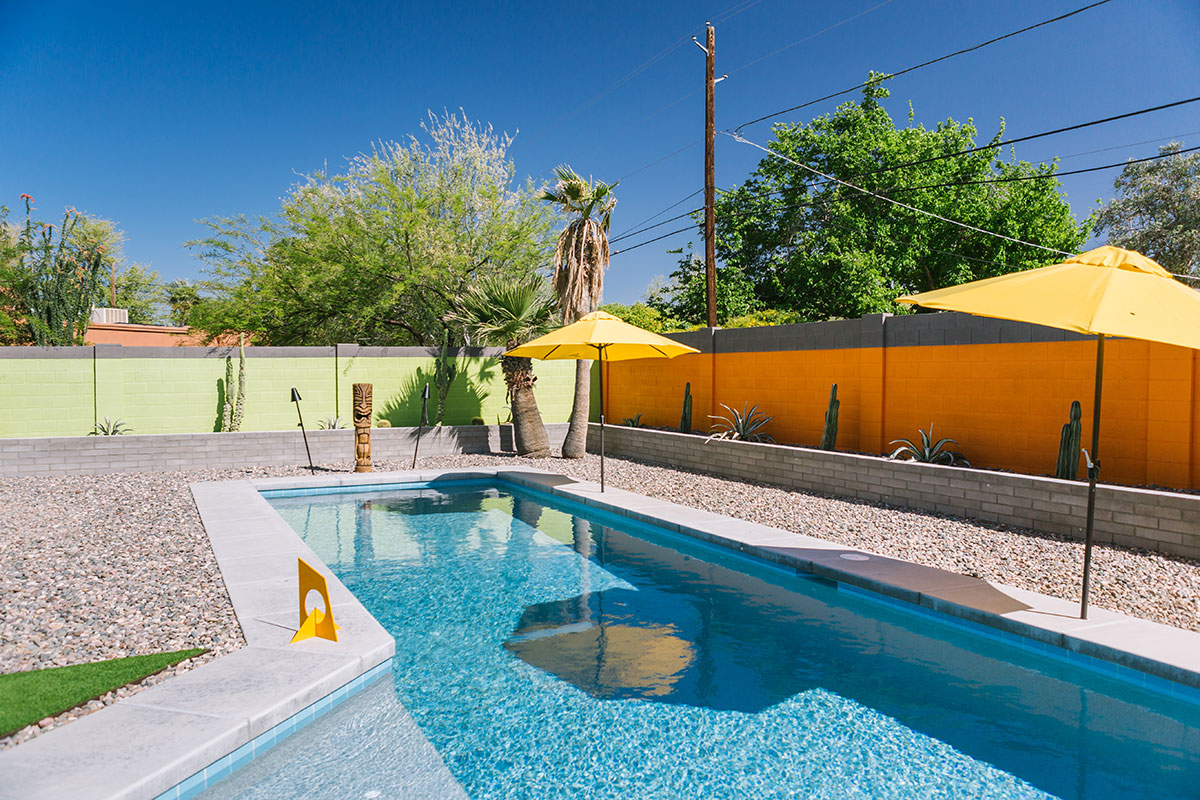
[1165, 522]
[88, 455]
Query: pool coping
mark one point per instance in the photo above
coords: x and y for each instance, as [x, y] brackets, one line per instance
[187, 732]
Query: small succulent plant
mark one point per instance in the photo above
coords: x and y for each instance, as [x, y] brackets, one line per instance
[110, 427]
[929, 451]
[633, 422]
[331, 424]
[742, 425]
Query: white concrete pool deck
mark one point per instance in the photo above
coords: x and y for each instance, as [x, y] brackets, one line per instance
[151, 743]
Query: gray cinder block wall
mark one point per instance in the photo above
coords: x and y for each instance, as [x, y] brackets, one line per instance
[1166, 522]
[88, 455]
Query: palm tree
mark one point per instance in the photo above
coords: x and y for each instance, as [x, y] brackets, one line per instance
[504, 312]
[579, 263]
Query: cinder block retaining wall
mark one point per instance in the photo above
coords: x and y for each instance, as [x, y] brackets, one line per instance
[1167, 522]
[86, 455]
[1002, 389]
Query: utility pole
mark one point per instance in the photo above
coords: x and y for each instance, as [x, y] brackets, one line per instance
[710, 190]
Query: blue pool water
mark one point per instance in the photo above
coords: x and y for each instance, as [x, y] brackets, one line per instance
[545, 654]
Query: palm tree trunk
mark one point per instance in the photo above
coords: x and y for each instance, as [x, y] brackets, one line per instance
[575, 445]
[529, 432]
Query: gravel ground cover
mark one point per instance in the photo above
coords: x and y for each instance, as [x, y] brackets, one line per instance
[103, 566]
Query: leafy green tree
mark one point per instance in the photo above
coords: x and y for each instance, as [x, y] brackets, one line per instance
[645, 316]
[580, 259]
[181, 296]
[377, 255]
[825, 251]
[505, 312]
[1156, 210]
[685, 296]
[140, 291]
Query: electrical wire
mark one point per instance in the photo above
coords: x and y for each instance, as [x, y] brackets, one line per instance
[659, 160]
[924, 64]
[1174, 138]
[1016, 178]
[652, 241]
[655, 225]
[738, 137]
[728, 14]
[810, 36]
[660, 213]
[1030, 137]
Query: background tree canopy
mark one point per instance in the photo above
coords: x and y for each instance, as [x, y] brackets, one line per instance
[1157, 210]
[822, 250]
[377, 255]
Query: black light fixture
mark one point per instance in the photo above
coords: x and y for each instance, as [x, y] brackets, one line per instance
[304, 433]
[420, 421]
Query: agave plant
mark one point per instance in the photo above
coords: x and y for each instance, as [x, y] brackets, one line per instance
[331, 424]
[110, 427]
[929, 451]
[743, 425]
[633, 422]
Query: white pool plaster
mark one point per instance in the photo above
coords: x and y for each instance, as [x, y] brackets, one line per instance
[190, 731]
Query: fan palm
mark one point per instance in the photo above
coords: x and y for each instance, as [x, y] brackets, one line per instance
[506, 312]
[579, 263]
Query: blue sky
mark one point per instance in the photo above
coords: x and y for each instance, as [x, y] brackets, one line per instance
[156, 115]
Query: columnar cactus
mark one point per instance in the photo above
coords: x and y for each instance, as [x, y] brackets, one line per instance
[829, 437]
[685, 419]
[1068, 445]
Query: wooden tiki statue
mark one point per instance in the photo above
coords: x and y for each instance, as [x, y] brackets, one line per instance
[362, 427]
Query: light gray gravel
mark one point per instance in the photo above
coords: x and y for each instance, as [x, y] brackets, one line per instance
[104, 566]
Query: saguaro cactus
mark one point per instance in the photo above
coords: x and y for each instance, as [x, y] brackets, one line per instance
[829, 437]
[685, 419]
[1068, 445]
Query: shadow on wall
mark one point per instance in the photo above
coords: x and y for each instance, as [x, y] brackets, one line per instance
[464, 400]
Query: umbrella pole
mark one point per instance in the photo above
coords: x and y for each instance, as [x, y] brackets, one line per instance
[601, 419]
[1093, 467]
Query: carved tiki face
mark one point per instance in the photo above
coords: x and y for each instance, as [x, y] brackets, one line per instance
[362, 405]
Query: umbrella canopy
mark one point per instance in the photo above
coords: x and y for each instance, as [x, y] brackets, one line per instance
[602, 336]
[1108, 292]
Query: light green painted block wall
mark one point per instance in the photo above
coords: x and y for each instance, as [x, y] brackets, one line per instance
[55, 397]
[46, 397]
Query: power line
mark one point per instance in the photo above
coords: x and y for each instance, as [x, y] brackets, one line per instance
[660, 213]
[656, 225]
[924, 64]
[695, 92]
[1175, 137]
[1016, 178]
[743, 140]
[811, 36]
[660, 160]
[728, 14]
[1030, 137]
[652, 241]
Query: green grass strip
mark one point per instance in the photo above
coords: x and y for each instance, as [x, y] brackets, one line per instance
[26, 697]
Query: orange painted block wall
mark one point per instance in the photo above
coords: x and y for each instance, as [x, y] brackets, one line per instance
[1005, 404]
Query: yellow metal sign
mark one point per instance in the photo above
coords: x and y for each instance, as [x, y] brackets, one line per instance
[318, 622]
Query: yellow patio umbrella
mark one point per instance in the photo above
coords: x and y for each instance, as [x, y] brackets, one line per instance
[603, 337]
[1107, 292]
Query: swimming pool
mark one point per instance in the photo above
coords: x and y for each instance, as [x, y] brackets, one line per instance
[548, 650]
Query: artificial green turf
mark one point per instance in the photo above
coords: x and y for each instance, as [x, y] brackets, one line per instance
[26, 697]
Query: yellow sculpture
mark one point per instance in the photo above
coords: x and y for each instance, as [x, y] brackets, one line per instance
[316, 623]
